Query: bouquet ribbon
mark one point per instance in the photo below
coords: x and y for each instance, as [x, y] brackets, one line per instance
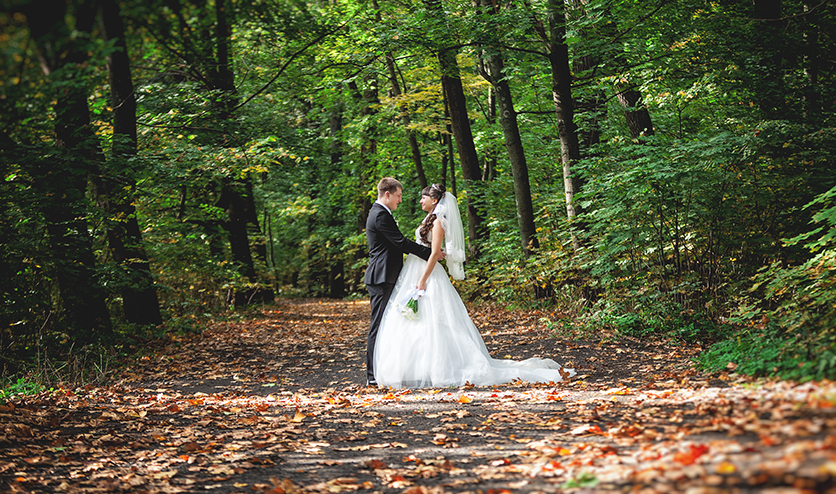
[409, 305]
[414, 294]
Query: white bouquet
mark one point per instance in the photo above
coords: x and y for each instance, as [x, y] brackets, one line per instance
[409, 305]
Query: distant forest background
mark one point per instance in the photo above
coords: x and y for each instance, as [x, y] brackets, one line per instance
[654, 168]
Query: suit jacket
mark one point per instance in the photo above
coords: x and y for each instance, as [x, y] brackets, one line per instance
[387, 246]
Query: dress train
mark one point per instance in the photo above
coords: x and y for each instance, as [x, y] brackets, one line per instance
[443, 347]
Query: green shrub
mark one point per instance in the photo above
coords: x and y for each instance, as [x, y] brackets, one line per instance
[20, 387]
[769, 353]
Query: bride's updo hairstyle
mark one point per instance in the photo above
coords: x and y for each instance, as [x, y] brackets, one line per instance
[435, 191]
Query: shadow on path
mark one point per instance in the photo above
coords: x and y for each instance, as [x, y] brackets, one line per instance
[274, 403]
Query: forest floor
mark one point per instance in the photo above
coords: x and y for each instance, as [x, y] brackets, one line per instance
[274, 403]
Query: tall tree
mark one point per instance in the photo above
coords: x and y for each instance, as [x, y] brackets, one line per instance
[114, 188]
[451, 83]
[553, 36]
[368, 100]
[62, 180]
[495, 74]
[200, 44]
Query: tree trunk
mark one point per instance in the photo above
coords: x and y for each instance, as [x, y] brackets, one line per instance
[465, 146]
[242, 218]
[259, 246]
[564, 105]
[407, 122]
[447, 145]
[766, 69]
[139, 297]
[638, 118]
[62, 182]
[221, 75]
[233, 202]
[592, 103]
[336, 127]
[513, 143]
[636, 114]
[460, 122]
[489, 170]
[336, 273]
[368, 98]
[811, 63]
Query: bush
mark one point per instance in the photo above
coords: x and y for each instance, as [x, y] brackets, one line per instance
[655, 316]
[768, 352]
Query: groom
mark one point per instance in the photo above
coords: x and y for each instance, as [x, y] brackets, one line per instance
[386, 249]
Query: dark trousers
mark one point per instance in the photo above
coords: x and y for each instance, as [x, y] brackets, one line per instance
[379, 295]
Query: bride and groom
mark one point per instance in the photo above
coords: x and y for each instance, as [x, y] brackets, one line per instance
[441, 346]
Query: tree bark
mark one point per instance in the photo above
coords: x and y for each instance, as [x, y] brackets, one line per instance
[465, 146]
[489, 169]
[368, 98]
[513, 144]
[591, 104]
[114, 190]
[232, 200]
[638, 118]
[242, 217]
[460, 122]
[447, 145]
[558, 53]
[812, 67]
[336, 273]
[336, 127]
[766, 69]
[636, 114]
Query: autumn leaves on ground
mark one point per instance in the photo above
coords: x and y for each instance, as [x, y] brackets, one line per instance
[274, 404]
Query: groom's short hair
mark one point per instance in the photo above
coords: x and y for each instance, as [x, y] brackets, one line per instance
[388, 184]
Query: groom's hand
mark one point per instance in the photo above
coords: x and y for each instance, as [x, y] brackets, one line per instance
[443, 255]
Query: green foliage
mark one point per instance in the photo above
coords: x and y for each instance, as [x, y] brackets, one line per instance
[20, 387]
[674, 229]
[768, 352]
[584, 480]
[652, 316]
[798, 301]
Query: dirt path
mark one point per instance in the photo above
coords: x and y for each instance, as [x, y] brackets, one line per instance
[274, 404]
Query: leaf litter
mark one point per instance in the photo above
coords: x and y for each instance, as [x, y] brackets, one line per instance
[275, 404]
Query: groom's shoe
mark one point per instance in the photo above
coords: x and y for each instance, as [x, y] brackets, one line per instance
[372, 383]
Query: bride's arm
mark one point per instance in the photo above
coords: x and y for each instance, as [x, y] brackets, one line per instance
[435, 255]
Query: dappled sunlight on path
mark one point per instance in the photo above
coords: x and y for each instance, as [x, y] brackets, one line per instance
[274, 403]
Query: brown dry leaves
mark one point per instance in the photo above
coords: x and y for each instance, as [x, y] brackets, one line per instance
[274, 404]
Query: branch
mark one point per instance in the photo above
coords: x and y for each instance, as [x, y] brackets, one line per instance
[289, 60]
[181, 127]
[506, 47]
[637, 23]
[592, 76]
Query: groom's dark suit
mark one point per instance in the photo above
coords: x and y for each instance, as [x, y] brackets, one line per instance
[386, 249]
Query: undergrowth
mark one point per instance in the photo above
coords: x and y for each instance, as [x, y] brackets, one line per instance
[21, 387]
[52, 363]
[770, 352]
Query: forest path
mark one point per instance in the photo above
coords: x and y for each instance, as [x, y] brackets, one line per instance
[274, 403]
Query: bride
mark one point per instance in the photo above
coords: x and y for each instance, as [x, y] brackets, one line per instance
[438, 345]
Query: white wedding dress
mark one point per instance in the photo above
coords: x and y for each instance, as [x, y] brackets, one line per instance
[443, 347]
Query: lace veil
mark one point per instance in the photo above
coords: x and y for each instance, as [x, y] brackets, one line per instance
[447, 210]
